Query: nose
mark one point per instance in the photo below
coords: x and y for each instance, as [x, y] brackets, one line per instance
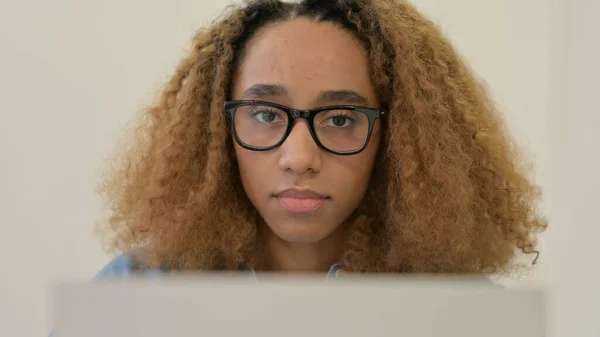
[299, 153]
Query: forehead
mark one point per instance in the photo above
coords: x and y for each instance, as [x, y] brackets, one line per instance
[306, 57]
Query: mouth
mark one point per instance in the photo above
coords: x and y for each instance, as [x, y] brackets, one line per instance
[300, 201]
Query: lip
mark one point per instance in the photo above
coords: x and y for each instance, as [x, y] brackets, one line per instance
[300, 200]
[299, 194]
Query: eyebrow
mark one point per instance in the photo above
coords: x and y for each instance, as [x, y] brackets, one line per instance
[346, 96]
[260, 90]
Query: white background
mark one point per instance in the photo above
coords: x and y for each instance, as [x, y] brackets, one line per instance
[73, 72]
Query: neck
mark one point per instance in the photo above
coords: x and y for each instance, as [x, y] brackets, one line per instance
[303, 257]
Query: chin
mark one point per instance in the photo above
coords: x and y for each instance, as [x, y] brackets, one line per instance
[303, 234]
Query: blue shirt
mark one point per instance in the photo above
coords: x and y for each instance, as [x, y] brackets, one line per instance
[123, 266]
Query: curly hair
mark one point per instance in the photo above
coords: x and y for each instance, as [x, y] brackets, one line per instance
[449, 192]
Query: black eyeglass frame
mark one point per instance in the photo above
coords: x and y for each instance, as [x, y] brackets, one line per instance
[372, 114]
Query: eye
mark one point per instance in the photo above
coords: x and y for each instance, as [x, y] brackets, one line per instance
[340, 121]
[266, 115]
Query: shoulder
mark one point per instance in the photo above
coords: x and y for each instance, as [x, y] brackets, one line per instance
[125, 266]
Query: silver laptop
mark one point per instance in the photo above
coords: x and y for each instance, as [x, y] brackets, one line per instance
[225, 305]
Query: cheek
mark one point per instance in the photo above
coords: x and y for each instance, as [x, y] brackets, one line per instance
[354, 172]
[349, 177]
[253, 170]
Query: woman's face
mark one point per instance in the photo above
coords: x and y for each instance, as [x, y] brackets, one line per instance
[302, 192]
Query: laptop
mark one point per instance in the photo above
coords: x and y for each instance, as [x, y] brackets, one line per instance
[297, 306]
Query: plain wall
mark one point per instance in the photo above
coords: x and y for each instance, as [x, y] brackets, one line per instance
[575, 271]
[73, 72]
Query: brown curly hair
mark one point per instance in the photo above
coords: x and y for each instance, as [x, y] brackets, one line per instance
[449, 193]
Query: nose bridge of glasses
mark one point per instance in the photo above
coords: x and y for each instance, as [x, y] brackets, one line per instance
[297, 130]
[299, 113]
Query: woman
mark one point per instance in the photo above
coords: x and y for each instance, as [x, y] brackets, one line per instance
[342, 135]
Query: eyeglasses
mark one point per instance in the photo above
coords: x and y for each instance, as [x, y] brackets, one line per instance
[340, 129]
